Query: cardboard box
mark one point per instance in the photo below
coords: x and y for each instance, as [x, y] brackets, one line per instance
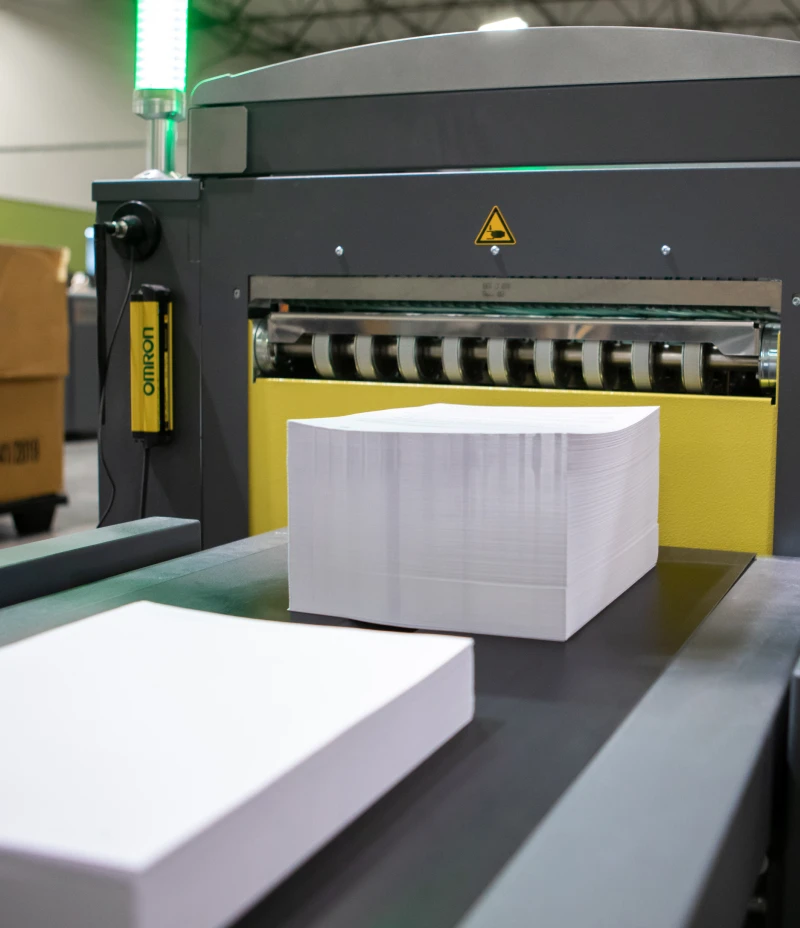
[34, 343]
[34, 337]
[31, 438]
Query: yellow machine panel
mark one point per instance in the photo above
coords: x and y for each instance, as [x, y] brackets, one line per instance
[717, 452]
[145, 380]
[151, 364]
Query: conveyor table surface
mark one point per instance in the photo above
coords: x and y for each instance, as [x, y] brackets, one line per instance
[424, 854]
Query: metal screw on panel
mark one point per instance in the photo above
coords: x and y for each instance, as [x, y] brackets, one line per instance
[665, 250]
[237, 293]
[339, 251]
[495, 250]
[796, 299]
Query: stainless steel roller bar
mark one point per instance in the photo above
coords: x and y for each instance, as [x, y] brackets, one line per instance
[732, 337]
[509, 362]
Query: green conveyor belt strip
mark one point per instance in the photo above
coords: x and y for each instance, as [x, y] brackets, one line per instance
[547, 310]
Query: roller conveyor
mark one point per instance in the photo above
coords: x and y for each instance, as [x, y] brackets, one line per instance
[510, 362]
[597, 334]
[680, 355]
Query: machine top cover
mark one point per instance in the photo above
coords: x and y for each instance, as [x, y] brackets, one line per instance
[552, 56]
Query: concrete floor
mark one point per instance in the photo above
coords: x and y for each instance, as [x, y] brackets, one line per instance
[80, 485]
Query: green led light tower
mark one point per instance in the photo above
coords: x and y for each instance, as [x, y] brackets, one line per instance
[160, 87]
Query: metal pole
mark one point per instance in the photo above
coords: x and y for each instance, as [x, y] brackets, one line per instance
[162, 109]
[156, 140]
[170, 142]
[161, 140]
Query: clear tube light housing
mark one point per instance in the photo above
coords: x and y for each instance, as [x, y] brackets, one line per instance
[161, 29]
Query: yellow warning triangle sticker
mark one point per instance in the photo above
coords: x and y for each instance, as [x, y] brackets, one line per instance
[495, 231]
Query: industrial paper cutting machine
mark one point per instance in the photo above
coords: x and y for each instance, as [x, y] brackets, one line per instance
[593, 216]
[551, 216]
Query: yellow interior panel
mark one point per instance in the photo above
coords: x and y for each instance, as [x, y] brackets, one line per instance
[717, 452]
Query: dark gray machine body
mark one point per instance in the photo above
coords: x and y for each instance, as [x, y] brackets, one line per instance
[721, 221]
[648, 148]
[81, 390]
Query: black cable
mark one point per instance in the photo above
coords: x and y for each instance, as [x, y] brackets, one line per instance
[102, 410]
[145, 472]
[101, 287]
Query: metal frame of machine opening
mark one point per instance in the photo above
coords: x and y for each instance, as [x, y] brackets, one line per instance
[764, 294]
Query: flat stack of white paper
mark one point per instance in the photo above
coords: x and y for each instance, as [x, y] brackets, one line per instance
[503, 521]
[163, 768]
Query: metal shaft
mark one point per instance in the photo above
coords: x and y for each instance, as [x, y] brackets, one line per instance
[468, 359]
[161, 142]
[569, 354]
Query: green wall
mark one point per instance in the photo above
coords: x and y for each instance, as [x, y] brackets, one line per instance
[37, 224]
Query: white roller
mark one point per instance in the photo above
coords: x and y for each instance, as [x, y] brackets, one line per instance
[453, 359]
[364, 354]
[322, 355]
[544, 362]
[642, 365]
[497, 350]
[693, 368]
[408, 358]
[594, 364]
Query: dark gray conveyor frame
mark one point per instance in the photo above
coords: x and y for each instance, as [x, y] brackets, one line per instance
[42, 567]
[626, 772]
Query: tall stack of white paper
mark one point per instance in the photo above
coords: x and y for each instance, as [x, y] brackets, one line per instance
[505, 521]
[164, 768]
